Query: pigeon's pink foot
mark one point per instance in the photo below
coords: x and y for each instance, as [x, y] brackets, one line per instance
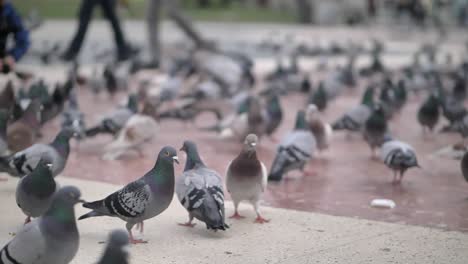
[310, 173]
[141, 227]
[237, 216]
[261, 220]
[188, 224]
[27, 220]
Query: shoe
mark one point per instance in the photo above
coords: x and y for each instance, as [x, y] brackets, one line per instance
[127, 53]
[68, 56]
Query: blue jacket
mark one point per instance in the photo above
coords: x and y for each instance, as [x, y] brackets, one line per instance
[10, 23]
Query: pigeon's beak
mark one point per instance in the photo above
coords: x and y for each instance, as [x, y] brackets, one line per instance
[176, 159]
[253, 144]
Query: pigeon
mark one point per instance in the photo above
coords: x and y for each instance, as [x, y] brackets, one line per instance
[428, 113]
[401, 95]
[54, 106]
[294, 150]
[321, 130]
[464, 166]
[375, 129]
[398, 156]
[23, 132]
[200, 191]
[274, 114]
[355, 118]
[73, 118]
[4, 116]
[142, 199]
[52, 238]
[115, 252]
[35, 191]
[39, 90]
[246, 178]
[7, 96]
[319, 97]
[113, 122]
[24, 162]
[139, 130]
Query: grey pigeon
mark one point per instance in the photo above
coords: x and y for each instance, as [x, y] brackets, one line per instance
[354, 119]
[200, 191]
[115, 252]
[398, 156]
[50, 239]
[294, 151]
[142, 199]
[35, 191]
[113, 122]
[23, 132]
[74, 118]
[56, 153]
[246, 178]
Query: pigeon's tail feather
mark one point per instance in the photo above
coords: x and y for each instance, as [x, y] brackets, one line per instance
[213, 212]
[90, 214]
[277, 168]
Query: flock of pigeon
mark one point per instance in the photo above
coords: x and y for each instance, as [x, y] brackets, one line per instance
[218, 82]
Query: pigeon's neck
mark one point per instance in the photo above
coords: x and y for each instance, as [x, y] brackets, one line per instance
[62, 145]
[249, 153]
[162, 171]
[193, 161]
[40, 182]
[59, 220]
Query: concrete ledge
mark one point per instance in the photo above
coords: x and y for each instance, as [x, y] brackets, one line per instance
[291, 236]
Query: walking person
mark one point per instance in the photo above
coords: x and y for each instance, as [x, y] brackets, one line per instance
[124, 51]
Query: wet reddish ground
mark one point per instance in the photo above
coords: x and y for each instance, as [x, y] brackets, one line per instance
[346, 178]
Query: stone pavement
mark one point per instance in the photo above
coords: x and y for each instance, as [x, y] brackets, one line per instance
[290, 237]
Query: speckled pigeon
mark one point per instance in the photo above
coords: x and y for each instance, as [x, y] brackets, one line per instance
[246, 178]
[200, 191]
[294, 151]
[142, 199]
[398, 156]
[52, 238]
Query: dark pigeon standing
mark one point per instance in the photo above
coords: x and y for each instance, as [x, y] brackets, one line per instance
[319, 98]
[115, 252]
[24, 162]
[246, 178]
[53, 238]
[54, 106]
[34, 192]
[142, 199]
[375, 129]
[200, 191]
[428, 113]
[294, 150]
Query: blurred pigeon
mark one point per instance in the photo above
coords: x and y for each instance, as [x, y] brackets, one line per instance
[428, 113]
[54, 106]
[139, 130]
[321, 130]
[23, 132]
[274, 114]
[294, 151]
[73, 118]
[246, 178]
[375, 129]
[200, 191]
[115, 252]
[24, 162]
[464, 166]
[53, 238]
[401, 95]
[35, 191]
[96, 82]
[39, 90]
[142, 199]
[113, 122]
[398, 156]
[4, 116]
[7, 96]
[355, 118]
[319, 97]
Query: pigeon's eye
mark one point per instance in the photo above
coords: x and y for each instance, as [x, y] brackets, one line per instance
[167, 153]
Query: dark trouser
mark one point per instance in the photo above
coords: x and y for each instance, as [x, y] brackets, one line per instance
[85, 15]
